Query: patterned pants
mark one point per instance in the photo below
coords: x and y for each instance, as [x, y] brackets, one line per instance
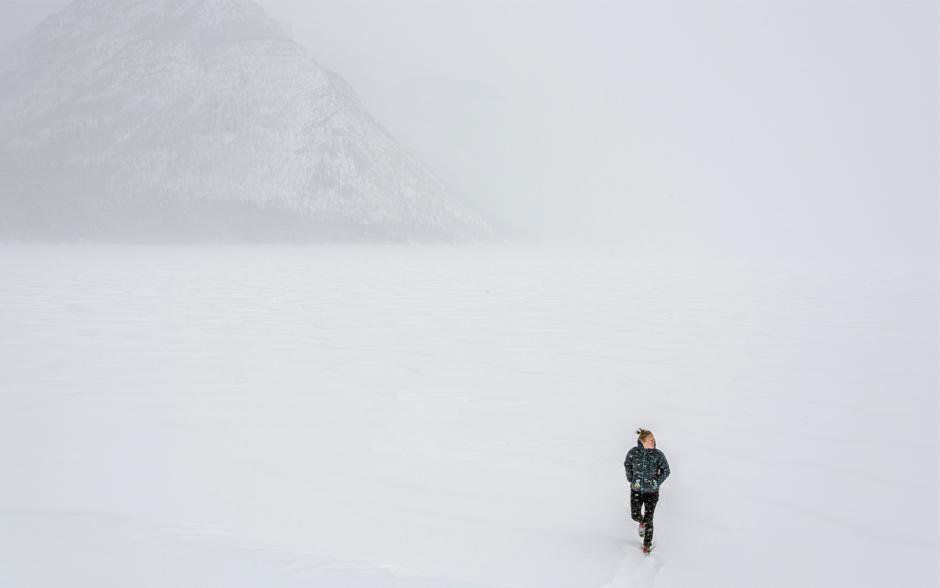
[649, 500]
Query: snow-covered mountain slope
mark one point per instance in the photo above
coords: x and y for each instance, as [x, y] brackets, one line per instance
[199, 118]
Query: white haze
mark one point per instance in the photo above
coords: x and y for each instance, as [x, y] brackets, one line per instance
[798, 128]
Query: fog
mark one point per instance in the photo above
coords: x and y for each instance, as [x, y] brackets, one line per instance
[806, 128]
[725, 124]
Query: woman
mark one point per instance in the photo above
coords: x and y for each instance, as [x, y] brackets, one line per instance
[647, 469]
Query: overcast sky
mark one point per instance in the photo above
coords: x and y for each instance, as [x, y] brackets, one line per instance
[778, 126]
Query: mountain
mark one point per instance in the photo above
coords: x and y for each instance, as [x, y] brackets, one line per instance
[194, 120]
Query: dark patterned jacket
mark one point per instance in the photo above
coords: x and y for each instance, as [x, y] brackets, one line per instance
[646, 466]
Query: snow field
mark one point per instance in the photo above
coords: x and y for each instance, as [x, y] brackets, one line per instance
[444, 416]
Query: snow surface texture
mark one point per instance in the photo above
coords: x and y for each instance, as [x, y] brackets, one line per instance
[199, 120]
[458, 417]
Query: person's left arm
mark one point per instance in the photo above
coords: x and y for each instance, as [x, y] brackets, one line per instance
[663, 469]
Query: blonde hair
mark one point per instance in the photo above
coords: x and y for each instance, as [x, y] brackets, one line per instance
[644, 434]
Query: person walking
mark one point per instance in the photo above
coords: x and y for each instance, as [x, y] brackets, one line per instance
[647, 469]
